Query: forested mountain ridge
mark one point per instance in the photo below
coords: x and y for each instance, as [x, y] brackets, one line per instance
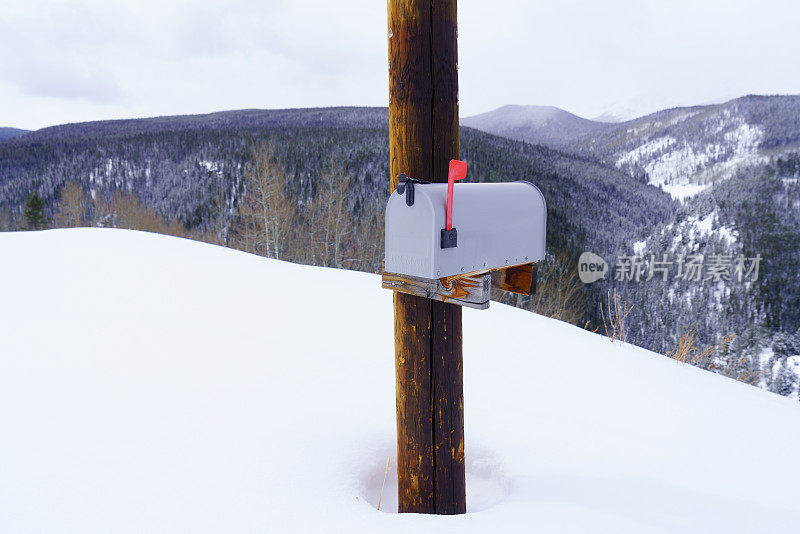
[183, 166]
[244, 119]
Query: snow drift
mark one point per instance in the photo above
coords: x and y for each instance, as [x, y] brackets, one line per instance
[153, 384]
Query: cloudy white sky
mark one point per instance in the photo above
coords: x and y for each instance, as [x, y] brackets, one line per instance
[78, 60]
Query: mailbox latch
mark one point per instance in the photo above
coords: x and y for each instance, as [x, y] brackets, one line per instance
[449, 238]
[406, 185]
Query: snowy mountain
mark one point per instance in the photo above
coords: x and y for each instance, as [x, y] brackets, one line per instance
[736, 167]
[543, 125]
[154, 384]
[682, 150]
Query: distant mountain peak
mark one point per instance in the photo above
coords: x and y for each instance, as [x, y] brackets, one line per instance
[546, 125]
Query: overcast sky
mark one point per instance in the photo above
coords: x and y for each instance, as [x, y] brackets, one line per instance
[78, 60]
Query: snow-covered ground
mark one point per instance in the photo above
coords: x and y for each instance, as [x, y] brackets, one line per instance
[153, 384]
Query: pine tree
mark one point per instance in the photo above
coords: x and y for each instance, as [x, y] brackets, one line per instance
[34, 213]
[785, 380]
[783, 344]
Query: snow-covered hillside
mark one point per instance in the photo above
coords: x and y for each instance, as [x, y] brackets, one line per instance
[686, 150]
[153, 384]
[685, 168]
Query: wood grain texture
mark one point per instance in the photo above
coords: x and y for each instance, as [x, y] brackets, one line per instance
[446, 331]
[412, 330]
[423, 137]
[444, 68]
[517, 279]
[472, 291]
[410, 90]
[448, 406]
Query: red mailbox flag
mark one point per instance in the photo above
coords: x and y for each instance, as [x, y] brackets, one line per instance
[458, 171]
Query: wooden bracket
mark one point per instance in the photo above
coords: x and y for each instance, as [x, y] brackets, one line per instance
[517, 279]
[471, 289]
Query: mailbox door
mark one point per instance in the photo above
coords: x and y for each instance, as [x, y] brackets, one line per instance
[409, 238]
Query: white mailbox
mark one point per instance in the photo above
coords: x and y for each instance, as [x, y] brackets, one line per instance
[494, 226]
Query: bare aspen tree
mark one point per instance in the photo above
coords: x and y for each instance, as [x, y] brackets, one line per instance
[368, 250]
[100, 211]
[125, 210]
[325, 225]
[335, 186]
[73, 205]
[267, 211]
[305, 242]
[321, 229]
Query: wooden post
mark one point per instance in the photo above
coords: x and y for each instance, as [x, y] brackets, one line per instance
[423, 138]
